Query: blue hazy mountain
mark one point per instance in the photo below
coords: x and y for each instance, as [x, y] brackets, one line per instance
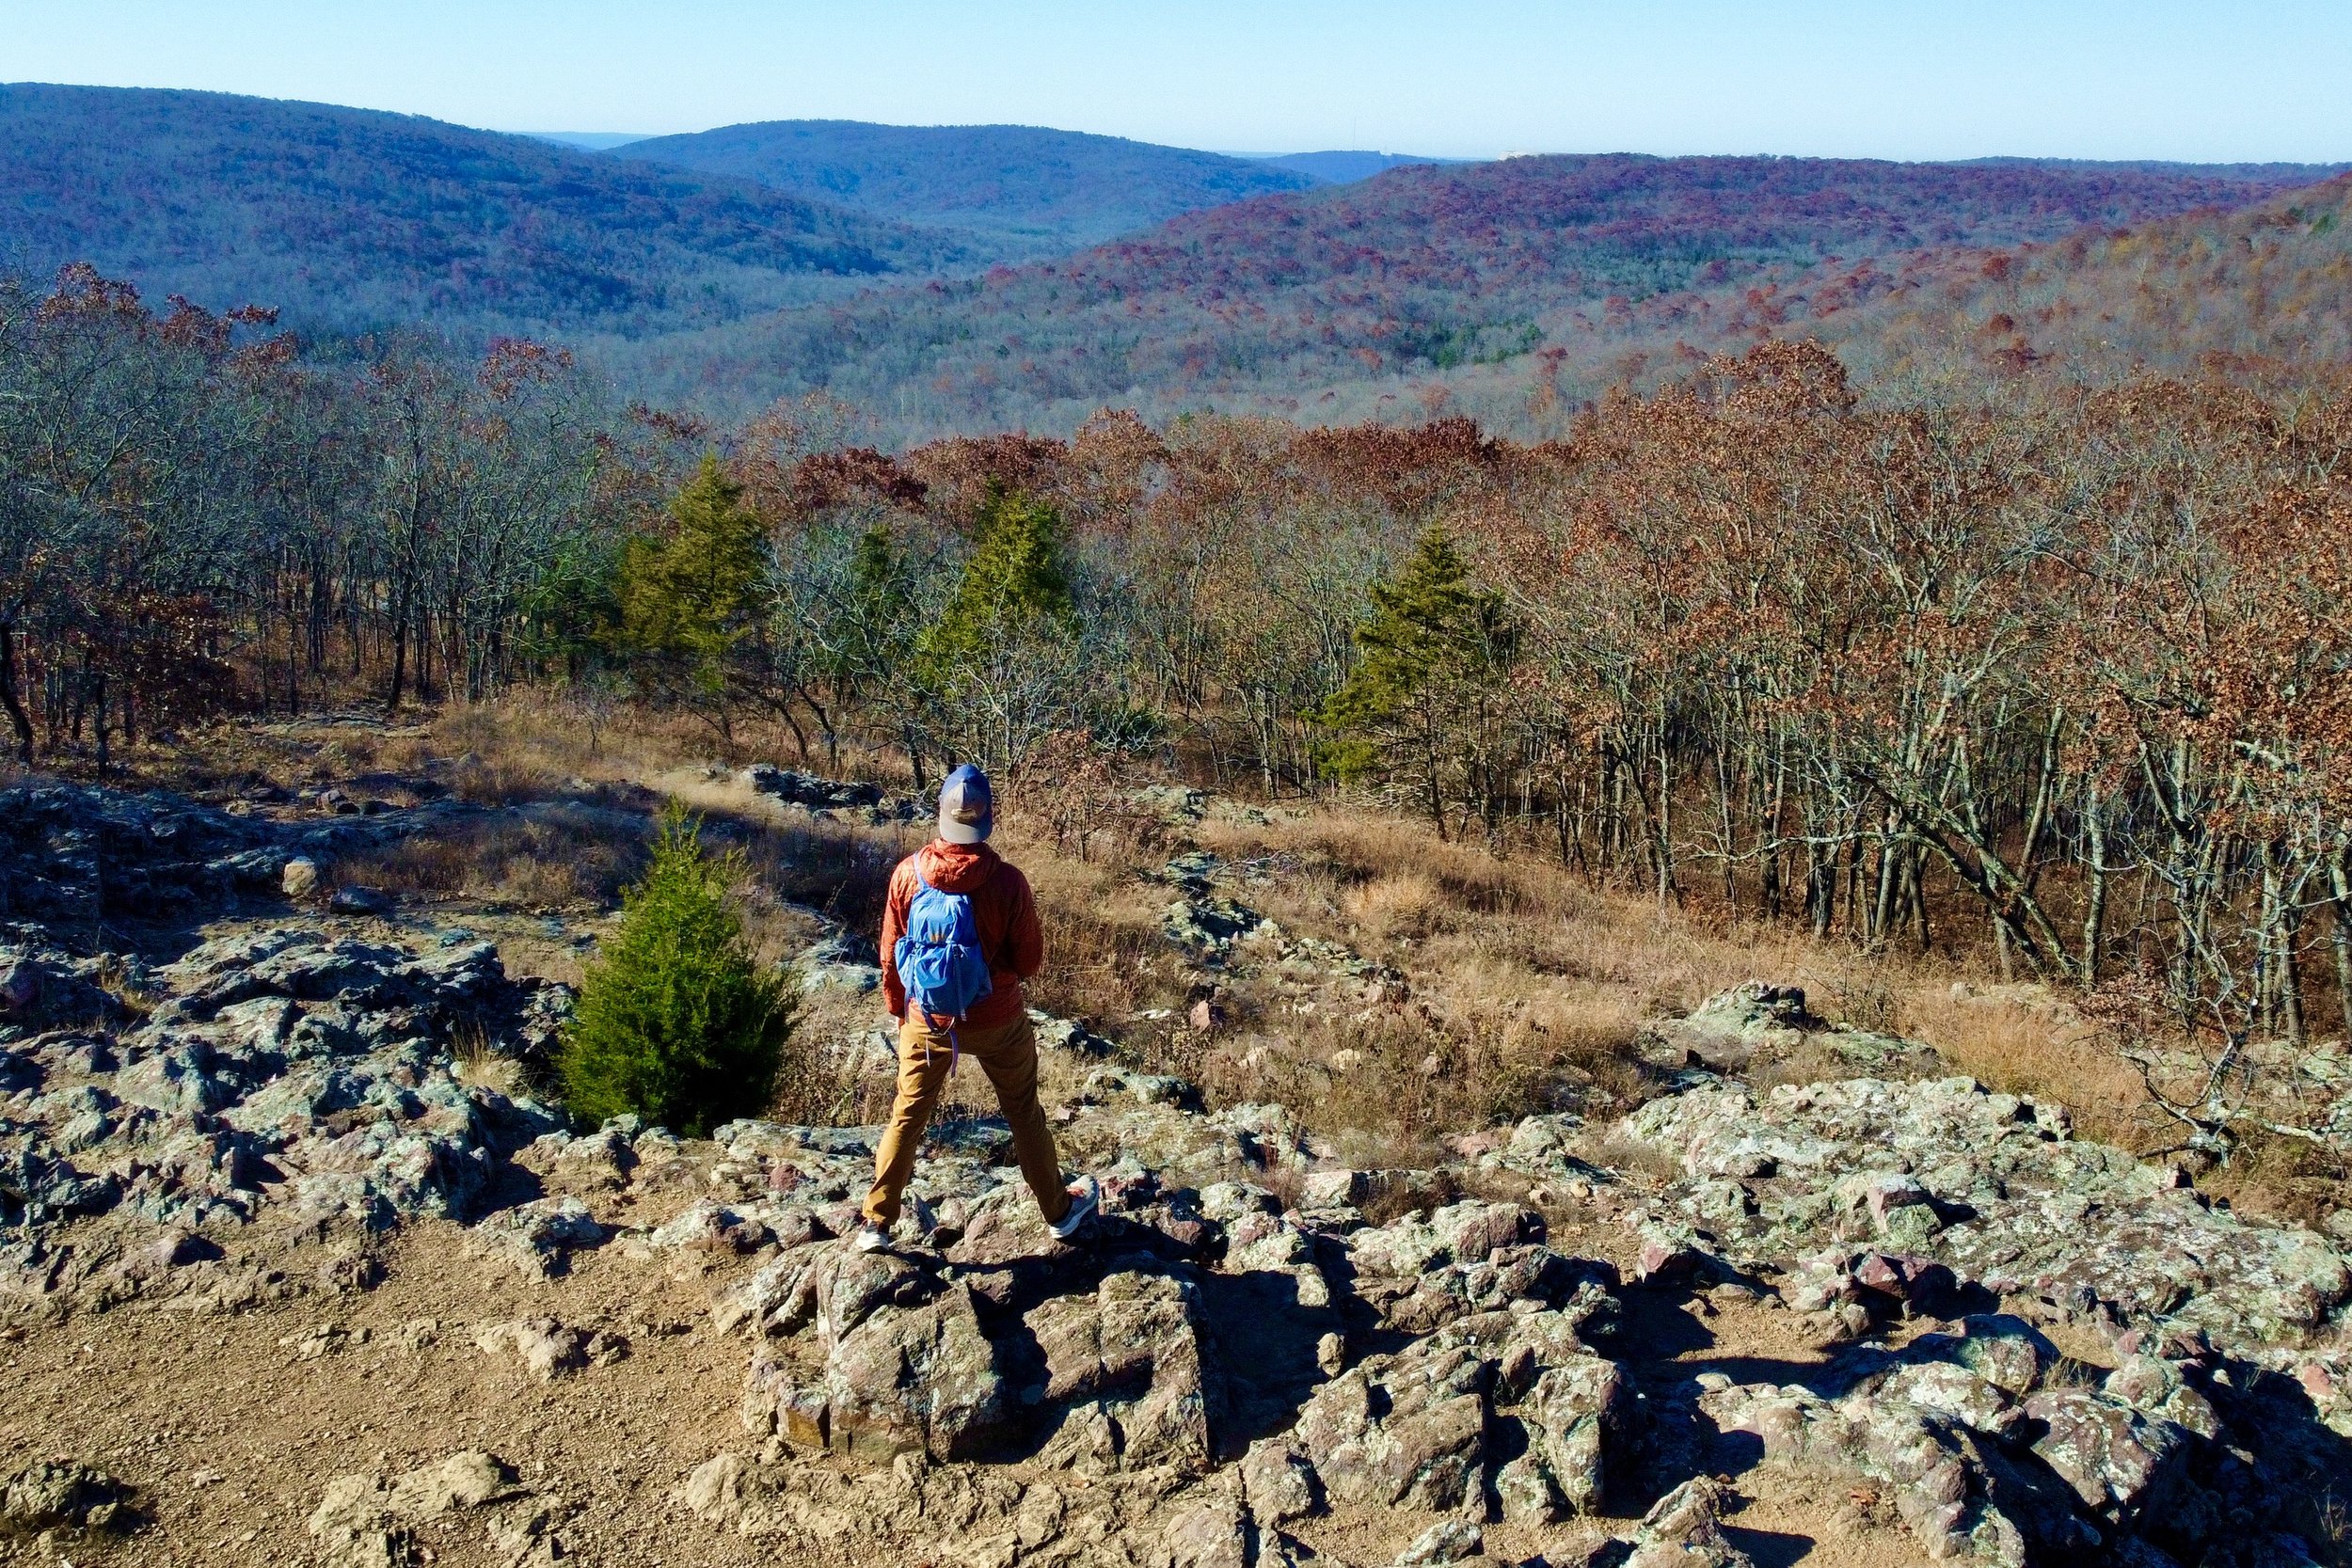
[1030, 191]
[1344, 168]
[351, 218]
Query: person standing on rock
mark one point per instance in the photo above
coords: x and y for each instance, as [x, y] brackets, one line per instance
[959, 933]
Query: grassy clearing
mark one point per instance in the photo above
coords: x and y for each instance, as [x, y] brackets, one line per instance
[1526, 957]
[557, 854]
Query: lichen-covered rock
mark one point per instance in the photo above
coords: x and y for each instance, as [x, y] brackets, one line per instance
[1278, 1483]
[1134, 1347]
[1983, 1457]
[1578, 1414]
[1758, 1022]
[1447, 1541]
[1993, 1187]
[1684, 1529]
[547, 1349]
[363, 1521]
[2120, 1461]
[537, 1239]
[925, 1377]
[464, 1479]
[1214, 1532]
[1408, 1428]
[62, 1495]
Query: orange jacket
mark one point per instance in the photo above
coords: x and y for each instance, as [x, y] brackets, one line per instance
[1002, 908]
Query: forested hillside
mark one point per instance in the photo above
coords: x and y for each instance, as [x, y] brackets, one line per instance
[2272, 282]
[2261, 290]
[349, 219]
[1510, 291]
[1290, 302]
[1025, 190]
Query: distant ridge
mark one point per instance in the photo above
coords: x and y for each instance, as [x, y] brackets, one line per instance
[352, 219]
[595, 141]
[1023, 190]
[1345, 168]
[2281, 174]
[2268, 285]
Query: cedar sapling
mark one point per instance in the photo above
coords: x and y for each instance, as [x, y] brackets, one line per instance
[675, 1022]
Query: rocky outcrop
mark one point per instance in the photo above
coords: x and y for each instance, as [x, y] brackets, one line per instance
[76, 856]
[61, 1494]
[822, 797]
[366, 1521]
[1222, 935]
[548, 1349]
[1234, 1351]
[1993, 1187]
[1994, 1448]
[278, 1067]
[1684, 1529]
[1758, 1021]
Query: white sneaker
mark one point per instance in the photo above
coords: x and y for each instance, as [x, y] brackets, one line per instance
[1085, 1198]
[870, 1238]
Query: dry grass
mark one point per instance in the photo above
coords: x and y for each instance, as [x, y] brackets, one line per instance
[2025, 1042]
[1629, 1157]
[1106, 959]
[2285, 1179]
[480, 1065]
[1523, 954]
[558, 855]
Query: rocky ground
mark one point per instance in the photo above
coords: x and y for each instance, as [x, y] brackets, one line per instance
[295, 1268]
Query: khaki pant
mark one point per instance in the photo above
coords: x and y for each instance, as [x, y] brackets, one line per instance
[1008, 1054]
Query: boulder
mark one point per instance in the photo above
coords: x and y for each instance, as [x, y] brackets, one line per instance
[1213, 1533]
[1578, 1416]
[1135, 1346]
[1447, 1541]
[922, 1377]
[1279, 1483]
[1405, 1430]
[536, 1239]
[1684, 1529]
[547, 1349]
[61, 1494]
[2120, 1462]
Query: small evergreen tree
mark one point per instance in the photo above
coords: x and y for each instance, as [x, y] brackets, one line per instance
[1014, 586]
[875, 625]
[675, 1021]
[1434, 649]
[572, 616]
[689, 600]
[1005, 664]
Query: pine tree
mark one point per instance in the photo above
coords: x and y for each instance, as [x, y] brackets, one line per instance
[1014, 585]
[1433, 651]
[689, 600]
[675, 1021]
[572, 616]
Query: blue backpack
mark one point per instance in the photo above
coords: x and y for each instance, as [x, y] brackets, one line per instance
[939, 955]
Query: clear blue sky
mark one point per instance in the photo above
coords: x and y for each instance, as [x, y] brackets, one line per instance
[2080, 78]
